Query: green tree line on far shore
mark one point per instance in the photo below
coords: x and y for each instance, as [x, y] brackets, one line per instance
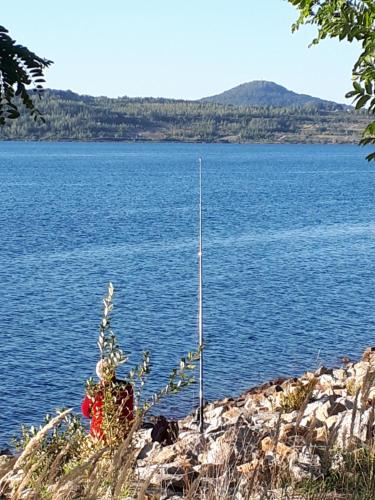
[69, 116]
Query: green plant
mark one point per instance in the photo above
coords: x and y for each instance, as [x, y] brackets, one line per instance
[115, 426]
[353, 477]
[19, 68]
[297, 396]
[52, 452]
[348, 20]
[60, 454]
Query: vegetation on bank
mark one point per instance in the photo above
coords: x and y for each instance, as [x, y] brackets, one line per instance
[299, 450]
[70, 116]
[61, 455]
[307, 438]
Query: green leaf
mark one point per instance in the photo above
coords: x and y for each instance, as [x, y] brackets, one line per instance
[368, 87]
[358, 87]
[362, 101]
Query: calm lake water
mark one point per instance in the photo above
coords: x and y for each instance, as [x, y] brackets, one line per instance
[289, 264]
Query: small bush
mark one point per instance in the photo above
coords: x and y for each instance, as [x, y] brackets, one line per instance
[297, 396]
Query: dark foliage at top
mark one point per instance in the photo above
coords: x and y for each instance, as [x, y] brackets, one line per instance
[350, 20]
[19, 68]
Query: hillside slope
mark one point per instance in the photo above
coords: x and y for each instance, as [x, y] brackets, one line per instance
[263, 93]
[70, 116]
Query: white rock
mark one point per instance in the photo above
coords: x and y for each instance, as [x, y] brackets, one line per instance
[148, 449]
[214, 413]
[350, 425]
[305, 465]
[326, 380]
[219, 453]
[340, 374]
[289, 417]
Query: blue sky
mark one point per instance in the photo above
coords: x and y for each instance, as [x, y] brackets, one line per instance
[181, 49]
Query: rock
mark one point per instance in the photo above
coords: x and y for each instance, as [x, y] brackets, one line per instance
[361, 370]
[281, 449]
[265, 419]
[6, 464]
[322, 409]
[148, 449]
[266, 406]
[6, 452]
[267, 445]
[215, 412]
[289, 417]
[270, 391]
[235, 443]
[323, 371]
[252, 403]
[214, 419]
[347, 402]
[326, 380]
[371, 395]
[232, 415]
[192, 441]
[240, 402]
[336, 407]
[340, 374]
[210, 470]
[287, 430]
[305, 465]
[331, 421]
[321, 434]
[249, 467]
[170, 477]
[329, 391]
[306, 421]
[188, 423]
[312, 408]
[352, 425]
[146, 472]
[243, 431]
[165, 455]
[339, 392]
[369, 355]
[220, 452]
[29, 494]
[142, 437]
[173, 478]
[328, 409]
[284, 451]
[69, 490]
[262, 388]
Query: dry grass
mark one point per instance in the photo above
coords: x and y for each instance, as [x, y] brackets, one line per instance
[297, 397]
[110, 472]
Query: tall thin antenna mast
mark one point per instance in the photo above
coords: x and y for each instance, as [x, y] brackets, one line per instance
[200, 302]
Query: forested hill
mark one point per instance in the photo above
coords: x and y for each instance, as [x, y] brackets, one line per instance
[70, 116]
[263, 93]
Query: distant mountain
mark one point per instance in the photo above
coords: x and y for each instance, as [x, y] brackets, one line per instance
[262, 93]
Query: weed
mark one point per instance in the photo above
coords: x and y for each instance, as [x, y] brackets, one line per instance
[297, 396]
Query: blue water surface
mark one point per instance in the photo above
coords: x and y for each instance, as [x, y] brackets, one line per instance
[289, 261]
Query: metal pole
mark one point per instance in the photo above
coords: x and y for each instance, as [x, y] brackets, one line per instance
[200, 303]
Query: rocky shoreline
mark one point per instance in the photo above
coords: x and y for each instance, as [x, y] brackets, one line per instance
[298, 428]
[285, 421]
